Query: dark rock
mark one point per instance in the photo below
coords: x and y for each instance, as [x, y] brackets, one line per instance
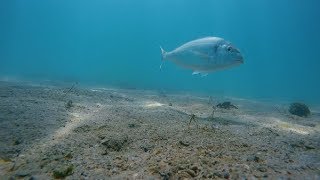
[170, 104]
[63, 173]
[227, 105]
[299, 109]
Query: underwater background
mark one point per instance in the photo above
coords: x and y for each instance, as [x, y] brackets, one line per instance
[116, 42]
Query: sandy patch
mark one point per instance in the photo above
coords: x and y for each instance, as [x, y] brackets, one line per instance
[115, 133]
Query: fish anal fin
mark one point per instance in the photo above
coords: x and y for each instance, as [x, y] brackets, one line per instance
[195, 72]
[201, 73]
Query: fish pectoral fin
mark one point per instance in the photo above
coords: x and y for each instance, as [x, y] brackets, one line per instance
[201, 73]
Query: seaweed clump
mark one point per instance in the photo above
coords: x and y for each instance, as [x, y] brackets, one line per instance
[299, 109]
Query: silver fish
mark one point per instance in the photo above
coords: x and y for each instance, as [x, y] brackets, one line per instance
[205, 55]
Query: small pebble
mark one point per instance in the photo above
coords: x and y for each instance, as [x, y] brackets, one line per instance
[299, 109]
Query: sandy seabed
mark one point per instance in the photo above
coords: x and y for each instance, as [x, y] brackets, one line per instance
[109, 133]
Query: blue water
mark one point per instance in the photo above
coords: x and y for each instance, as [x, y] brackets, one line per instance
[116, 42]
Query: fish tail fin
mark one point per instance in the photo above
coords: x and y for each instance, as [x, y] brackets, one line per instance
[163, 56]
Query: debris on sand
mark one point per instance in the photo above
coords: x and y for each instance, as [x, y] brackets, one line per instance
[226, 105]
[69, 90]
[299, 109]
[69, 103]
[192, 118]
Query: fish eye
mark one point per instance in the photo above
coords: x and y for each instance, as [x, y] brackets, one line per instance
[229, 48]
